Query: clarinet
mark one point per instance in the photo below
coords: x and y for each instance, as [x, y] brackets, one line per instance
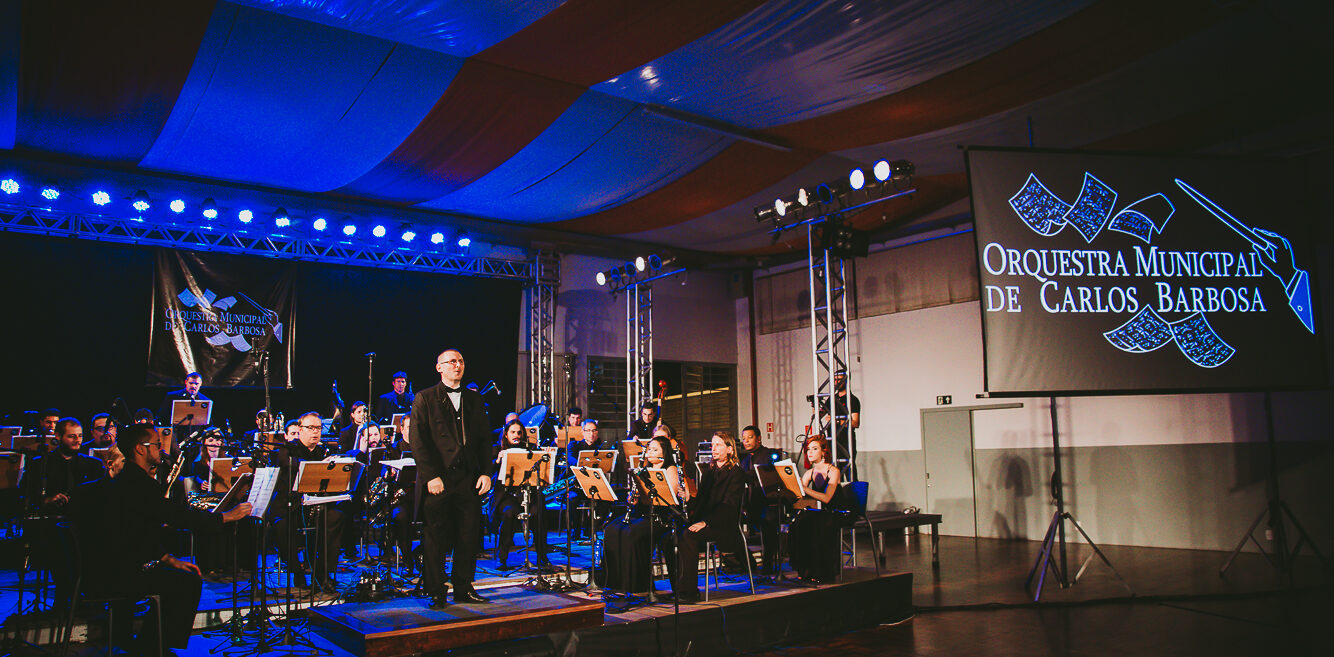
[176, 467]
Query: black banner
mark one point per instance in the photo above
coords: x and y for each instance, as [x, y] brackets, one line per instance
[217, 315]
[1127, 273]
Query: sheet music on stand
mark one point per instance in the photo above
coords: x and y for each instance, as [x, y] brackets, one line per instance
[603, 459]
[780, 480]
[663, 493]
[326, 481]
[11, 469]
[593, 483]
[191, 413]
[234, 494]
[261, 490]
[516, 466]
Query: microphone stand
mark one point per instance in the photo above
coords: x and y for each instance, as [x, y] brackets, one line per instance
[370, 382]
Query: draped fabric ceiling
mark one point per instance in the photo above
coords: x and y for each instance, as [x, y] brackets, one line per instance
[540, 112]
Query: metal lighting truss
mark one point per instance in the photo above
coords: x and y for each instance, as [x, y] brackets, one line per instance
[542, 326]
[205, 237]
[830, 347]
[638, 349]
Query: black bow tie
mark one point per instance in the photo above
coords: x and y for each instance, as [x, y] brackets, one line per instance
[449, 389]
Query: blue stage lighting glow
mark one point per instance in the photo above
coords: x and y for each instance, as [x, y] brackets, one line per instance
[437, 238]
[50, 193]
[140, 201]
[9, 186]
[319, 224]
[465, 242]
[177, 206]
[282, 222]
[378, 231]
[349, 230]
[101, 198]
[209, 209]
[408, 236]
[245, 216]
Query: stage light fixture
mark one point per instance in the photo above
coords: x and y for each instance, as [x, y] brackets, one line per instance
[641, 264]
[881, 170]
[437, 238]
[857, 179]
[320, 223]
[101, 198]
[140, 201]
[407, 234]
[50, 192]
[209, 209]
[245, 216]
[464, 242]
[177, 205]
[379, 230]
[901, 169]
[349, 230]
[765, 213]
[280, 218]
[9, 186]
[803, 197]
[656, 262]
[601, 278]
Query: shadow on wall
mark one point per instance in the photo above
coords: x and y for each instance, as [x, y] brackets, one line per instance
[880, 481]
[1011, 484]
[1116, 486]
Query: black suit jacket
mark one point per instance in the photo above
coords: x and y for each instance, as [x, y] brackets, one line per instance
[718, 503]
[453, 444]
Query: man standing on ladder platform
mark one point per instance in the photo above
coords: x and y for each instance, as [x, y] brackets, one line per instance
[847, 417]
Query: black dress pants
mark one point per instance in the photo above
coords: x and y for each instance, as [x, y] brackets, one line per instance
[453, 524]
[179, 593]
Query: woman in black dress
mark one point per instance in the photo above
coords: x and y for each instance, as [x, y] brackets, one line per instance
[628, 551]
[815, 531]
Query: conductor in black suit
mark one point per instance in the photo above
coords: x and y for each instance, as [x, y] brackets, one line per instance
[451, 442]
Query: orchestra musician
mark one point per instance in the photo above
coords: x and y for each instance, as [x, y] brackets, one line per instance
[814, 533]
[452, 446]
[47, 485]
[508, 504]
[405, 505]
[628, 545]
[590, 441]
[714, 515]
[193, 382]
[642, 428]
[46, 425]
[120, 519]
[101, 433]
[324, 561]
[347, 438]
[760, 511]
[398, 400]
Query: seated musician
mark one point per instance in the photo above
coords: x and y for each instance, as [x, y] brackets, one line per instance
[102, 434]
[215, 549]
[323, 553]
[815, 550]
[628, 546]
[590, 441]
[46, 486]
[714, 514]
[508, 504]
[404, 505]
[761, 513]
[121, 520]
[369, 436]
[347, 437]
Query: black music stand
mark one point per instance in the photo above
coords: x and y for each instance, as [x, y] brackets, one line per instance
[527, 469]
[596, 487]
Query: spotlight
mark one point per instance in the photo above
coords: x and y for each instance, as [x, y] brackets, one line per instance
[177, 206]
[437, 238]
[50, 192]
[210, 209]
[857, 179]
[764, 213]
[601, 278]
[640, 263]
[140, 201]
[320, 223]
[245, 216]
[464, 242]
[656, 262]
[9, 186]
[881, 170]
[280, 218]
[409, 234]
[803, 197]
[901, 169]
[378, 231]
[349, 230]
[101, 198]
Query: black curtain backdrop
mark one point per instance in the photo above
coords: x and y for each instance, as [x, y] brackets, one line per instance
[75, 334]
